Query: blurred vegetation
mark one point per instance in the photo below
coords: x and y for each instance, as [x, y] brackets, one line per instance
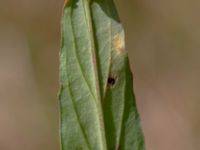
[163, 43]
[29, 47]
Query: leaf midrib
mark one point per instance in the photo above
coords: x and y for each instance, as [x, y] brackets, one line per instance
[98, 103]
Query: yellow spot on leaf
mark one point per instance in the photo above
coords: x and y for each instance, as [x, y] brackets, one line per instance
[118, 43]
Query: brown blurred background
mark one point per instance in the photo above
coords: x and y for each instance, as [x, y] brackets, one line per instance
[163, 40]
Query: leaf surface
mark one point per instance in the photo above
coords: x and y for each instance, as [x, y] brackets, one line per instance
[97, 104]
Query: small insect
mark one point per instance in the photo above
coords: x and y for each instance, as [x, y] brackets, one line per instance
[111, 81]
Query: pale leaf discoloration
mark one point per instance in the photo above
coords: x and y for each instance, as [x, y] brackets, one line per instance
[118, 42]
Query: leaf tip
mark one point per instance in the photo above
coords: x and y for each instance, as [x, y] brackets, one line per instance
[66, 2]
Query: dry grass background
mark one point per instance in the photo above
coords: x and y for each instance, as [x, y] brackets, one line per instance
[163, 42]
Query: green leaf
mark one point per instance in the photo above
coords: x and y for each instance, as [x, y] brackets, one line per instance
[98, 109]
